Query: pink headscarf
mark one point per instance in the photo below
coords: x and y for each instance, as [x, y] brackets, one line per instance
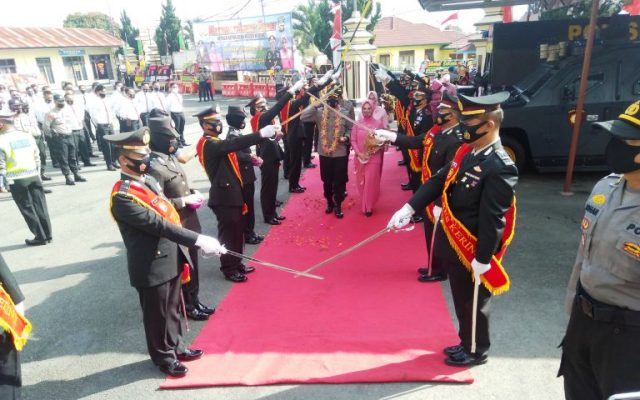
[379, 112]
[371, 121]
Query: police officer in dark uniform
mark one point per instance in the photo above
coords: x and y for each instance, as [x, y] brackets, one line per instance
[444, 145]
[165, 168]
[236, 119]
[225, 196]
[150, 228]
[602, 343]
[10, 373]
[479, 194]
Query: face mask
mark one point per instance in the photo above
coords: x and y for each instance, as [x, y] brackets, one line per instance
[175, 90]
[442, 119]
[48, 101]
[60, 105]
[102, 95]
[215, 126]
[619, 156]
[69, 102]
[82, 91]
[145, 90]
[333, 102]
[471, 134]
[155, 89]
[139, 166]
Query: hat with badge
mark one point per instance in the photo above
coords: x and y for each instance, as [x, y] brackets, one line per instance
[471, 107]
[449, 101]
[161, 126]
[212, 112]
[236, 111]
[136, 141]
[626, 127]
[258, 100]
[157, 113]
[58, 98]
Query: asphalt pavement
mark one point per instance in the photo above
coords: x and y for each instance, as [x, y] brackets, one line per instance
[88, 341]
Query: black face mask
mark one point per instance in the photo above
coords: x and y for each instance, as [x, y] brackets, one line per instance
[102, 95]
[333, 102]
[139, 166]
[155, 89]
[442, 119]
[471, 134]
[69, 102]
[145, 90]
[215, 126]
[620, 156]
[236, 121]
[59, 105]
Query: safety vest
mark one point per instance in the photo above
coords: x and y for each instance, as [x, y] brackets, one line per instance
[21, 154]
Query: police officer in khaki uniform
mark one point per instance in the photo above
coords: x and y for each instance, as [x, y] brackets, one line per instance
[165, 168]
[602, 343]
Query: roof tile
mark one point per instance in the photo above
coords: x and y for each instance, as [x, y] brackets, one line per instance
[30, 38]
[394, 31]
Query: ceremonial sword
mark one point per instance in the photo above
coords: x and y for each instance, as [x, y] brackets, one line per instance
[274, 266]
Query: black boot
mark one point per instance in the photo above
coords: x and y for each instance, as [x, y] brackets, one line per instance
[338, 211]
[78, 177]
[68, 180]
[330, 206]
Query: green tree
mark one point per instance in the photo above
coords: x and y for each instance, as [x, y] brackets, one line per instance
[374, 12]
[92, 20]
[128, 33]
[168, 32]
[188, 30]
[576, 9]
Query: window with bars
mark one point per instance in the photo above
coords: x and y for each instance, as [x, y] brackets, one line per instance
[7, 66]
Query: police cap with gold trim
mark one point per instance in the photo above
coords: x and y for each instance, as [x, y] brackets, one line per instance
[161, 126]
[627, 126]
[449, 101]
[212, 112]
[476, 106]
[135, 141]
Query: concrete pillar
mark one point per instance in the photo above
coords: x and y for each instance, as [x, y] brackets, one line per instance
[357, 81]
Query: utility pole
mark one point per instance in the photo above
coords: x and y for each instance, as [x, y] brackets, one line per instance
[262, 5]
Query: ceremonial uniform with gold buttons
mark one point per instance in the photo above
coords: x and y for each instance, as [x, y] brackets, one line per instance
[166, 169]
[602, 342]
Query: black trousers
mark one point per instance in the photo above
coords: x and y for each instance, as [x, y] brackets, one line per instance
[144, 118]
[334, 175]
[286, 162]
[599, 358]
[203, 94]
[42, 148]
[178, 120]
[82, 151]
[101, 131]
[309, 129]
[89, 136]
[438, 267]
[10, 373]
[248, 194]
[231, 235]
[209, 90]
[191, 289]
[269, 188]
[54, 150]
[67, 151]
[161, 317]
[461, 282]
[295, 161]
[128, 125]
[28, 193]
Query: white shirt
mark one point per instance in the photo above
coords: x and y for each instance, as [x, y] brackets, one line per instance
[57, 121]
[27, 123]
[101, 112]
[128, 110]
[116, 100]
[42, 109]
[174, 103]
[143, 101]
[157, 101]
[75, 115]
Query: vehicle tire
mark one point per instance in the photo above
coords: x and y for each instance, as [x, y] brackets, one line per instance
[515, 150]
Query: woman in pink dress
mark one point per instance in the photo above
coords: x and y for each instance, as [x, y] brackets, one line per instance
[379, 112]
[369, 155]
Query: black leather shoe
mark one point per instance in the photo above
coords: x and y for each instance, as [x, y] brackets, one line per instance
[338, 212]
[235, 277]
[49, 240]
[273, 221]
[401, 162]
[329, 209]
[423, 271]
[368, 213]
[47, 191]
[417, 218]
[298, 189]
[432, 278]
[197, 315]
[279, 203]
[35, 242]
[451, 350]
[175, 369]
[462, 359]
[45, 177]
[310, 165]
[280, 217]
[79, 178]
[252, 240]
[89, 164]
[405, 186]
[189, 355]
[69, 181]
[205, 309]
[116, 164]
[111, 168]
[259, 237]
[246, 270]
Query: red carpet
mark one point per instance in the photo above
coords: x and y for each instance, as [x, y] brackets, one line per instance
[369, 320]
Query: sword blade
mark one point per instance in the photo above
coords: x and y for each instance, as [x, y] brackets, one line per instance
[274, 266]
[349, 250]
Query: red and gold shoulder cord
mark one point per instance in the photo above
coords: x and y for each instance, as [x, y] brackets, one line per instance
[12, 321]
[427, 145]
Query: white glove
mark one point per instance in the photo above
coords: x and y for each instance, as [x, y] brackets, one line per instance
[479, 269]
[194, 198]
[401, 218]
[382, 76]
[336, 76]
[269, 131]
[386, 135]
[210, 245]
[436, 212]
[20, 308]
[325, 77]
[296, 86]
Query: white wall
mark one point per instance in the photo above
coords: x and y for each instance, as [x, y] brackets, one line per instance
[25, 60]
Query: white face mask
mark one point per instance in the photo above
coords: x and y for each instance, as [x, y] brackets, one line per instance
[175, 90]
